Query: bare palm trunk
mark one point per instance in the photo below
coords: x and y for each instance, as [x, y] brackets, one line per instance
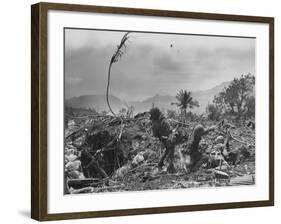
[107, 89]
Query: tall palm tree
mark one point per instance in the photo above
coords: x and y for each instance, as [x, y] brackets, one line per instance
[120, 51]
[185, 101]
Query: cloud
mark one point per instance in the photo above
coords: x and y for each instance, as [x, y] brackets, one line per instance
[167, 63]
[151, 66]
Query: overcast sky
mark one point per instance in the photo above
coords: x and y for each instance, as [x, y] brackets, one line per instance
[153, 63]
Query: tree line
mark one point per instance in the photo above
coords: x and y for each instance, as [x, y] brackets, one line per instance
[237, 100]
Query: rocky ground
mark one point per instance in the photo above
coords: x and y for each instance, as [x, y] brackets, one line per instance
[107, 154]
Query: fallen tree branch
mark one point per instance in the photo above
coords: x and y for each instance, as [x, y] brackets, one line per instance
[108, 187]
[82, 190]
[81, 183]
[142, 165]
[178, 122]
[242, 180]
[75, 132]
[242, 142]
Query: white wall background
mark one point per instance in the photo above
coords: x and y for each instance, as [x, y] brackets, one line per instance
[15, 111]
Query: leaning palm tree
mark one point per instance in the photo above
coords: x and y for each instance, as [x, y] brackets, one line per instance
[121, 48]
[185, 101]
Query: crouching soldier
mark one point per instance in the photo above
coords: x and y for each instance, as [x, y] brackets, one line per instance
[163, 131]
[197, 158]
[233, 156]
[219, 152]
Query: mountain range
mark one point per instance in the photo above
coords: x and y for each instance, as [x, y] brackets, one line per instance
[98, 102]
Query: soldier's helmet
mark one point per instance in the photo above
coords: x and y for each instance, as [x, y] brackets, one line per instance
[155, 113]
[198, 131]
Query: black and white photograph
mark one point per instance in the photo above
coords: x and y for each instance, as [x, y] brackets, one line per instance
[157, 111]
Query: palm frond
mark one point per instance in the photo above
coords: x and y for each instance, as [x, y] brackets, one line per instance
[185, 100]
[121, 48]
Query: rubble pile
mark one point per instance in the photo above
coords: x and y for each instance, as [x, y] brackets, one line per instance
[105, 153]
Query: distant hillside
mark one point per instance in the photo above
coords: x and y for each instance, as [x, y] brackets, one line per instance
[206, 96]
[98, 102]
[164, 102]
